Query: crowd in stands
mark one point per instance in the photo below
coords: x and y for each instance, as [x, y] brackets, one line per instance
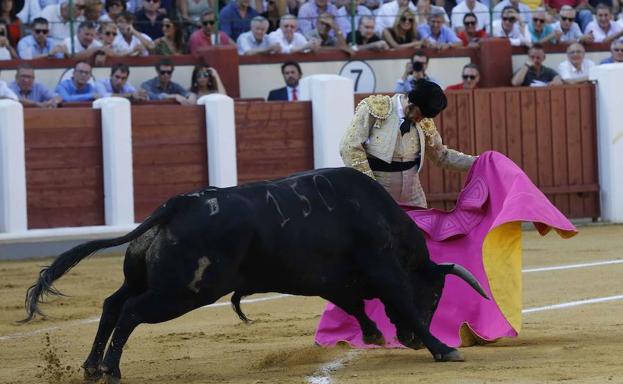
[91, 30]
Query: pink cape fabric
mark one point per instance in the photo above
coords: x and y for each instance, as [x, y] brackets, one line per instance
[496, 192]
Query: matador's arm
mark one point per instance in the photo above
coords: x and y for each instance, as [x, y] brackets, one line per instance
[439, 153]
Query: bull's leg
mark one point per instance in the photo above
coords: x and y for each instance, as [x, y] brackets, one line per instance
[149, 307]
[404, 332]
[356, 308]
[110, 314]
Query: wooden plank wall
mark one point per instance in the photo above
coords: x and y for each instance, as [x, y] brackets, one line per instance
[273, 139]
[169, 154]
[64, 171]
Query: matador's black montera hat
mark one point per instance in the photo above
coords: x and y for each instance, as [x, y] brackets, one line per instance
[429, 97]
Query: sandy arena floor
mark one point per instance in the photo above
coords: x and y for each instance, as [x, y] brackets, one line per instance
[578, 344]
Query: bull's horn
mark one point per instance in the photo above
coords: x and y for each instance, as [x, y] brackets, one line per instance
[466, 275]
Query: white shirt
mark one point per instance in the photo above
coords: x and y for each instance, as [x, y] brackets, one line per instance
[386, 15]
[59, 29]
[78, 47]
[573, 34]
[524, 11]
[120, 45]
[298, 40]
[246, 42]
[298, 93]
[5, 91]
[481, 11]
[567, 71]
[599, 34]
[5, 54]
[30, 10]
[515, 36]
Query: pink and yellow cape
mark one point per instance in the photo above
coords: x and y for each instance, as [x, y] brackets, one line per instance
[483, 234]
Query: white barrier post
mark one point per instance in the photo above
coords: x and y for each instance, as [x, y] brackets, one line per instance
[610, 139]
[333, 107]
[13, 216]
[117, 151]
[221, 138]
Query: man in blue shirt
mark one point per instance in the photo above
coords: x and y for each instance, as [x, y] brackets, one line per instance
[38, 44]
[161, 87]
[78, 88]
[30, 92]
[235, 18]
[117, 84]
[435, 34]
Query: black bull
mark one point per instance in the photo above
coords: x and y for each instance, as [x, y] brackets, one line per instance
[333, 233]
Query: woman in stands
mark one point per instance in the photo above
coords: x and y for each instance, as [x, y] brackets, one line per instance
[404, 32]
[7, 52]
[205, 81]
[172, 41]
[274, 10]
[13, 26]
[470, 35]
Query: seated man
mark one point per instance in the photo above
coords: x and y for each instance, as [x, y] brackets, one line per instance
[78, 88]
[309, 12]
[327, 32]
[616, 49]
[415, 69]
[206, 35]
[604, 30]
[533, 73]
[256, 41]
[540, 31]
[435, 34]
[31, 92]
[510, 26]
[290, 40]
[38, 44]
[345, 14]
[117, 84]
[235, 18]
[365, 38]
[567, 30]
[84, 44]
[129, 41]
[471, 77]
[58, 15]
[575, 69]
[292, 73]
[161, 87]
[477, 8]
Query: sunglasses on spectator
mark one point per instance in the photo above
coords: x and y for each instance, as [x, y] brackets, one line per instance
[577, 52]
[210, 22]
[167, 26]
[408, 19]
[41, 31]
[165, 72]
[203, 75]
[537, 20]
[569, 19]
[511, 19]
[470, 77]
[152, 1]
[110, 33]
[617, 49]
[466, 23]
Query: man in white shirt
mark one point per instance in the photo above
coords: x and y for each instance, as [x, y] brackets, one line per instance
[604, 30]
[84, 42]
[511, 27]
[387, 13]
[129, 41]
[568, 30]
[256, 41]
[480, 10]
[525, 13]
[575, 69]
[58, 16]
[290, 40]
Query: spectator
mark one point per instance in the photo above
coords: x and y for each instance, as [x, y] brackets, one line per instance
[30, 92]
[113, 8]
[404, 33]
[58, 15]
[540, 31]
[415, 69]
[470, 6]
[328, 33]
[149, 20]
[575, 68]
[161, 87]
[604, 30]
[290, 40]
[235, 18]
[274, 10]
[93, 10]
[524, 13]
[38, 44]
[292, 73]
[172, 40]
[309, 12]
[78, 88]
[129, 41]
[533, 73]
[6, 92]
[435, 34]
[586, 11]
[117, 84]
[191, 10]
[567, 30]
[8, 14]
[512, 27]
[471, 77]
[29, 11]
[365, 38]
[83, 44]
[583, 8]
[423, 11]
[256, 41]
[206, 36]
[346, 13]
[107, 33]
[205, 81]
[388, 12]
[616, 49]
[7, 52]
[470, 36]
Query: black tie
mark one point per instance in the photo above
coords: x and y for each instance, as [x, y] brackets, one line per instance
[405, 126]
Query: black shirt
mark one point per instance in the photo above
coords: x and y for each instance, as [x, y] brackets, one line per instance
[546, 76]
[359, 38]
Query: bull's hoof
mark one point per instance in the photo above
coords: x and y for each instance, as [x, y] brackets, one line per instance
[375, 339]
[450, 356]
[92, 374]
[109, 379]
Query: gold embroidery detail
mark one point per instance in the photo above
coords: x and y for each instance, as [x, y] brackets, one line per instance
[428, 126]
[380, 106]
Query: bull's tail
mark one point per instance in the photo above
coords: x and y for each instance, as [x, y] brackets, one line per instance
[67, 260]
[235, 304]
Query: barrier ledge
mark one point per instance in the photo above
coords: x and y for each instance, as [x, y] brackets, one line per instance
[65, 233]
